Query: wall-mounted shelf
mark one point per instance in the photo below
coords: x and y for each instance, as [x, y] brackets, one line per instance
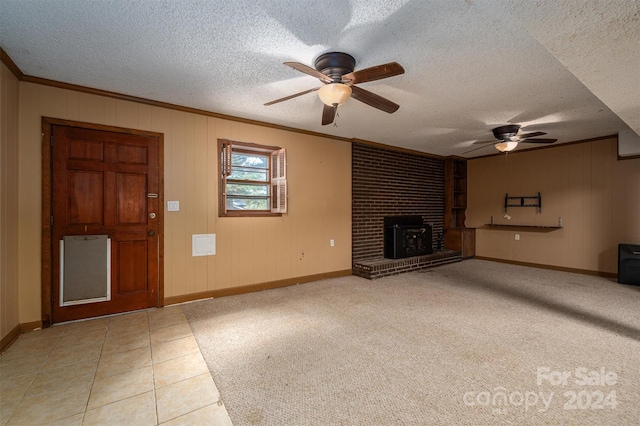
[521, 228]
[523, 201]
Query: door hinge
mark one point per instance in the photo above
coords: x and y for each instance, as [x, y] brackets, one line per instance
[51, 221]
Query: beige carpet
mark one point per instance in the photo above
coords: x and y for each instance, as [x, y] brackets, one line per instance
[474, 342]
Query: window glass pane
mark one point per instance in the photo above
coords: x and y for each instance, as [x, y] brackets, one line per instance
[246, 173]
[247, 166]
[247, 189]
[239, 203]
[249, 160]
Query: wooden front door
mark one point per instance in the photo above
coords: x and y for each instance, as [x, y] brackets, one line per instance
[105, 183]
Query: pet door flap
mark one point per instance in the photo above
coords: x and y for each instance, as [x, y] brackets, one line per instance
[85, 273]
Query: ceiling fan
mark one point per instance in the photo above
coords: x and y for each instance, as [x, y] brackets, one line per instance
[509, 137]
[336, 71]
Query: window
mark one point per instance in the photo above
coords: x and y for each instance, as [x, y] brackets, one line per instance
[253, 179]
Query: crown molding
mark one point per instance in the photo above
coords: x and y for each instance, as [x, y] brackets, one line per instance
[497, 154]
[6, 59]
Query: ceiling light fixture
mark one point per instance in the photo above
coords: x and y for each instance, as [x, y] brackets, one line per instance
[506, 146]
[334, 94]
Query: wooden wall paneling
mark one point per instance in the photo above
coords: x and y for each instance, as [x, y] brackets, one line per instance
[74, 105]
[224, 253]
[632, 201]
[610, 204]
[211, 177]
[603, 159]
[52, 102]
[274, 247]
[586, 196]
[283, 245]
[181, 238]
[601, 184]
[242, 252]
[224, 129]
[29, 225]
[481, 203]
[225, 268]
[189, 194]
[583, 183]
[200, 196]
[9, 217]
[224, 226]
[578, 209]
[319, 246]
[110, 111]
[300, 249]
[261, 258]
[127, 114]
[160, 122]
[145, 114]
[618, 192]
[91, 109]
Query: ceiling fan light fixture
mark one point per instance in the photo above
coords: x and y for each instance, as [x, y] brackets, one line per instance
[506, 146]
[333, 94]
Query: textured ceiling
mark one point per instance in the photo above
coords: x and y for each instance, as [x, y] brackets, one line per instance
[567, 67]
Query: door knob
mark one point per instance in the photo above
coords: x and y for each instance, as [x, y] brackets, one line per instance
[152, 215]
[152, 233]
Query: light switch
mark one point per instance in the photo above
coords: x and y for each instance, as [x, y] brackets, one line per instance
[173, 206]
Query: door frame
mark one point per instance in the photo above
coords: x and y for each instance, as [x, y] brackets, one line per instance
[46, 247]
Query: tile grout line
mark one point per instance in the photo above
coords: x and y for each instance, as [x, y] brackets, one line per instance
[37, 372]
[95, 373]
[153, 373]
[160, 321]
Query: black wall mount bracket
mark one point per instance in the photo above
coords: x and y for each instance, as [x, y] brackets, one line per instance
[523, 201]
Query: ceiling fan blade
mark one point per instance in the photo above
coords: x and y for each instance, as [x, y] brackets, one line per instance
[374, 73]
[310, 71]
[538, 140]
[530, 135]
[373, 100]
[485, 142]
[328, 114]
[295, 95]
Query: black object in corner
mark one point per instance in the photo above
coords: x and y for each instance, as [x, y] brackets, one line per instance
[629, 264]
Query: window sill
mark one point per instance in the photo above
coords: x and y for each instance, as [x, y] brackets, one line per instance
[249, 214]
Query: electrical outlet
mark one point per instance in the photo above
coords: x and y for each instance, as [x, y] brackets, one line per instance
[517, 237]
[332, 243]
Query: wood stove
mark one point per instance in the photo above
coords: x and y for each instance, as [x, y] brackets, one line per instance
[406, 236]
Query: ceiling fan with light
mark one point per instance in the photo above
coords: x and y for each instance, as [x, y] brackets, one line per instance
[336, 72]
[509, 137]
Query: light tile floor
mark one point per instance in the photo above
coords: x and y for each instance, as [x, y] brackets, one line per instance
[142, 368]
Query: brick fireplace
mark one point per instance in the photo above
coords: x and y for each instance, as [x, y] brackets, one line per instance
[387, 182]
